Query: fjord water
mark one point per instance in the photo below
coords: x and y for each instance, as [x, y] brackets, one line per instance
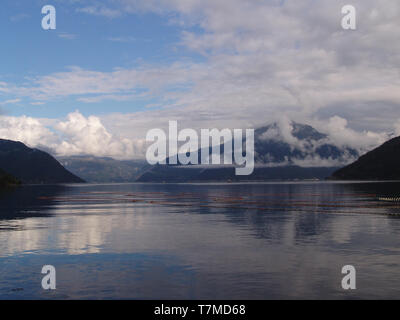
[200, 241]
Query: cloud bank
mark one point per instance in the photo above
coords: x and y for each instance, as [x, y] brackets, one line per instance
[77, 135]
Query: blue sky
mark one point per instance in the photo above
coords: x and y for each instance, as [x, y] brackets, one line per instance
[81, 40]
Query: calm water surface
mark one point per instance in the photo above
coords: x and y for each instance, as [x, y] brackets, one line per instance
[200, 241]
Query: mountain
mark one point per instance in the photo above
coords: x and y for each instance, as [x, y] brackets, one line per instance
[298, 144]
[381, 163]
[102, 169]
[32, 165]
[282, 152]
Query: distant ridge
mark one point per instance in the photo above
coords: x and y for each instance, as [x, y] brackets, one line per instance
[382, 163]
[103, 169]
[32, 165]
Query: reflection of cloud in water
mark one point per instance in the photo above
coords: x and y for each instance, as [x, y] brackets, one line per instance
[160, 219]
[68, 231]
[264, 245]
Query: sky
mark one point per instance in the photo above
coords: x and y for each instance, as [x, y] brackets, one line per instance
[114, 69]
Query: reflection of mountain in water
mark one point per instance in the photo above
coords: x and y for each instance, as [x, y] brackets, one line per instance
[266, 236]
[312, 206]
[28, 201]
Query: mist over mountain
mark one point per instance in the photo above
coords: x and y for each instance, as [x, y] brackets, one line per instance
[282, 152]
[299, 145]
[32, 165]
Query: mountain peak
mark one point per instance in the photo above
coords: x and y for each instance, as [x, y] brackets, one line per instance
[300, 144]
[306, 132]
[297, 130]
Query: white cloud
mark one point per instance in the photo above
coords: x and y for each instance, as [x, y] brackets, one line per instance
[77, 135]
[87, 84]
[89, 136]
[26, 129]
[341, 135]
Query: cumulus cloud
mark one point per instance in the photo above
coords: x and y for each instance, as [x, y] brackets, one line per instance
[26, 129]
[77, 135]
[89, 136]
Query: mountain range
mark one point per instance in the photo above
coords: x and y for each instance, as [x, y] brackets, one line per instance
[103, 169]
[298, 144]
[281, 153]
[296, 152]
